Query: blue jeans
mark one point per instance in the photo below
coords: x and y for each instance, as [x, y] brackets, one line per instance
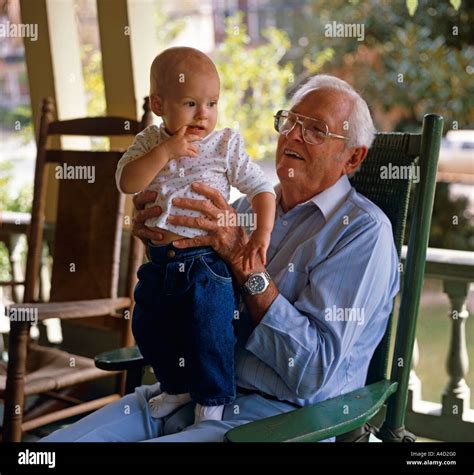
[183, 322]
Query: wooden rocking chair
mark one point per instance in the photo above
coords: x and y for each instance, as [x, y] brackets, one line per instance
[85, 272]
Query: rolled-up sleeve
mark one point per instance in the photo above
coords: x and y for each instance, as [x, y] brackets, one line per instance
[242, 172]
[305, 342]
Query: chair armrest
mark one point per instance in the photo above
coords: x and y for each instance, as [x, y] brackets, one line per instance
[121, 359]
[320, 421]
[76, 309]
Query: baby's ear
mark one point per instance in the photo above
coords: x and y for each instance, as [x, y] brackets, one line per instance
[156, 104]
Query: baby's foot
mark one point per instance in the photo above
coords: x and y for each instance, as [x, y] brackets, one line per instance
[207, 413]
[164, 403]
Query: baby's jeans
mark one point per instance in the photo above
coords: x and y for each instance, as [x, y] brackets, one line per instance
[185, 303]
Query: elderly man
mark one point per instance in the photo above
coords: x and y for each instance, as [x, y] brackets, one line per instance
[310, 321]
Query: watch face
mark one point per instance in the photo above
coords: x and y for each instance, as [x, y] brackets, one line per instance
[256, 283]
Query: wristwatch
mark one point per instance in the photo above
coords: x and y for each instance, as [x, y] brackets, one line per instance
[256, 283]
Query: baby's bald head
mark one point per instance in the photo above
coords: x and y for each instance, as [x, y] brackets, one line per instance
[184, 90]
[174, 66]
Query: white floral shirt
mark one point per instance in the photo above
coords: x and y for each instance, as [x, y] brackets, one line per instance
[222, 162]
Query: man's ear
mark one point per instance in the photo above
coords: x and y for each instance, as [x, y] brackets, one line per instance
[156, 104]
[356, 159]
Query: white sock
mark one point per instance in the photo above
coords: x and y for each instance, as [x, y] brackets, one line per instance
[164, 403]
[207, 413]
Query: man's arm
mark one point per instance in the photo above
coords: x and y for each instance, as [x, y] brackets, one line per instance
[306, 341]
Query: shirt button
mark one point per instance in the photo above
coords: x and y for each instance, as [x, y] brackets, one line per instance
[284, 223]
[171, 253]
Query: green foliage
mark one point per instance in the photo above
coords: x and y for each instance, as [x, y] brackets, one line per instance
[20, 202]
[412, 5]
[438, 83]
[167, 30]
[93, 83]
[451, 221]
[91, 58]
[17, 120]
[4, 263]
[253, 85]
[416, 63]
[451, 226]
[5, 177]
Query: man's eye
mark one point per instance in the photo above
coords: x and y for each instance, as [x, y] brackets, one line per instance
[314, 129]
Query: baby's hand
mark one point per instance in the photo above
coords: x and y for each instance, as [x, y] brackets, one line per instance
[258, 244]
[179, 144]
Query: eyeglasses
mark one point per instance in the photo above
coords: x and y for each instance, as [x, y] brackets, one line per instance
[314, 131]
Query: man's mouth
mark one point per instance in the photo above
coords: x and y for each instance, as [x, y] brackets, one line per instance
[292, 154]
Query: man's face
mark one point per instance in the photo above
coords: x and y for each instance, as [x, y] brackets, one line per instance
[192, 103]
[321, 165]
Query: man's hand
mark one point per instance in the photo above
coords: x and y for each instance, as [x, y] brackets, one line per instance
[141, 214]
[179, 145]
[226, 240]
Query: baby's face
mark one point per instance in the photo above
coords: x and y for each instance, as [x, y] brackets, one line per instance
[192, 103]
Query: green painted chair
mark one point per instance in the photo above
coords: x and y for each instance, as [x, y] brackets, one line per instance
[348, 417]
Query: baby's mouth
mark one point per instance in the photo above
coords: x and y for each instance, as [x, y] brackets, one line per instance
[195, 128]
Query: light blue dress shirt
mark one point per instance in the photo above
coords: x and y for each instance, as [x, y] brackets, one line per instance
[334, 262]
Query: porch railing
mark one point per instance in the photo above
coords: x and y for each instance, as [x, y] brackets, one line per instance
[453, 419]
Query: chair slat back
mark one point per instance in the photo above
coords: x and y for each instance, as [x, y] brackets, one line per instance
[88, 226]
[95, 126]
[386, 178]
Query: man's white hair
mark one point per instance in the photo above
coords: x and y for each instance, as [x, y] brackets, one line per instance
[361, 127]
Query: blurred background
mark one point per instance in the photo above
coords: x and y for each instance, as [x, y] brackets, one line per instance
[415, 58]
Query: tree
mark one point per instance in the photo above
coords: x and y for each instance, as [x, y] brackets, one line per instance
[415, 64]
[252, 85]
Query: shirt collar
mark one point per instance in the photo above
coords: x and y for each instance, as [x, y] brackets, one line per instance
[328, 201]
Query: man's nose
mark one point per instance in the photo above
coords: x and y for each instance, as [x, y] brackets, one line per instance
[296, 133]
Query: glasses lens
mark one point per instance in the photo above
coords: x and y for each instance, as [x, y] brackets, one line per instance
[315, 131]
[285, 122]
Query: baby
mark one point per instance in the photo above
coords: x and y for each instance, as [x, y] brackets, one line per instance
[185, 299]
